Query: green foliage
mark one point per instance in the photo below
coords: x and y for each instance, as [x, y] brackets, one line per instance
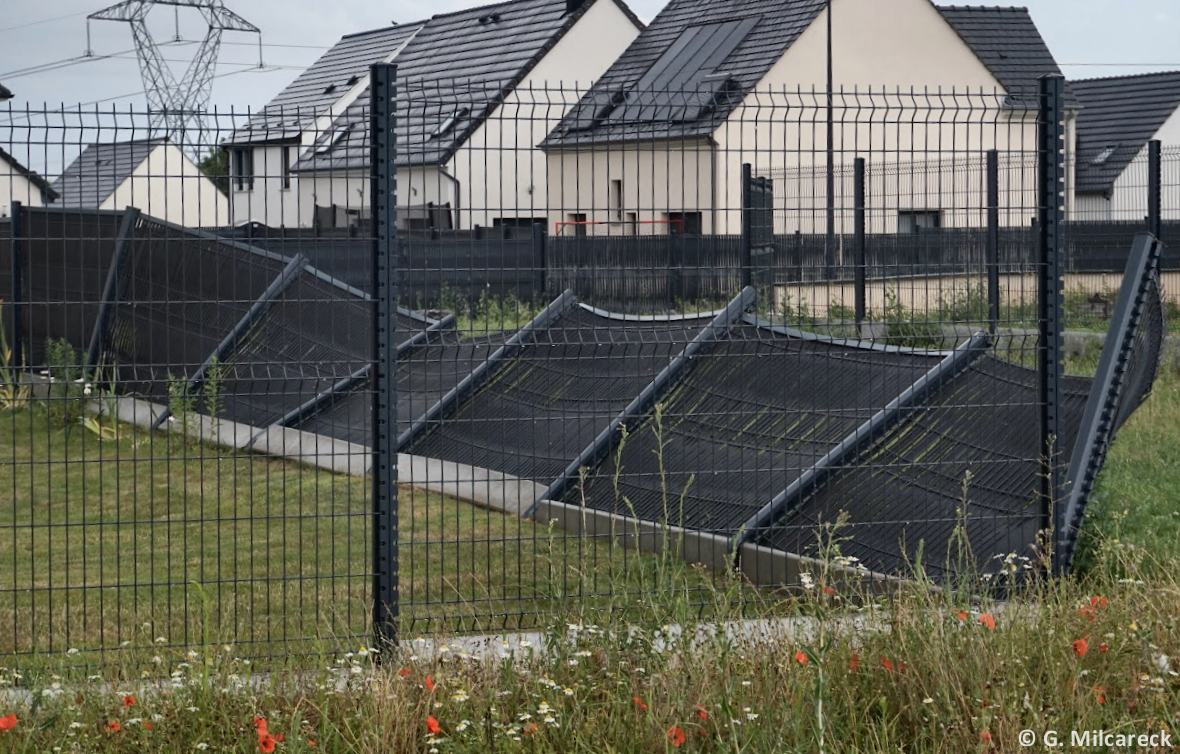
[182, 404]
[67, 391]
[212, 390]
[215, 166]
[904, 328]
[13, 394]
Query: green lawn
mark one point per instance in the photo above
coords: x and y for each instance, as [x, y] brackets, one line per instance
[98, 539]
[102, 538]
[1137, 500]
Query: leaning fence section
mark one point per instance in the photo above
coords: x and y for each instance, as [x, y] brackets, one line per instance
[463, 359]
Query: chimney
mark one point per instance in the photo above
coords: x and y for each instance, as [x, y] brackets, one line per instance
[572, 6]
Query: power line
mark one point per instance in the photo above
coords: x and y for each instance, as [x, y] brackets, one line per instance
[42, 21]
[78, 107]
[123, 55]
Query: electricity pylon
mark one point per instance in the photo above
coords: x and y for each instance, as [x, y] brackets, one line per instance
[177, 108]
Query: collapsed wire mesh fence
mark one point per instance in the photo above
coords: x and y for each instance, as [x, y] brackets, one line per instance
[624, 328]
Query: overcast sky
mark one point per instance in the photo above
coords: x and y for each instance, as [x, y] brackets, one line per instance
[1089, 37]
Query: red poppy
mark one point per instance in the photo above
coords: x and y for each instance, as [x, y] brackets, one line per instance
[801, 657]
[1101, 694]
[987, 620]
[638, 702]
[887, 664]
[829, 591]
[962, 615]
[114, 727]
[854, 664]
[1099, 602]
[267, 744]
[8, 722]
[676, 736]
[985, 737]
[1103, 649]
[404, 672]
[429, 683]
[147, 726]
[701, 713]
[432, 725]
[311, 743]
[530, 729]
[1080, 647]
[128, 701]
[260, 725]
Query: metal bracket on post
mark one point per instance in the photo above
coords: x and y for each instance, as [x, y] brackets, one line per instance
[860, 251]
[18, 287]
[110, 291]
[383, 199]
[1155, 180]
[993, 240]
[1050, 301]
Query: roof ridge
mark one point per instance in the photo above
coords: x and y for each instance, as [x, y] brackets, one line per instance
[489, 6]
[1127, 76]
[379, 29]
[1014, 8]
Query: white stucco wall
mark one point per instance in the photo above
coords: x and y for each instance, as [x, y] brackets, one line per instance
[502, 173]
[168, 185]
[15, 187]
[902, 77]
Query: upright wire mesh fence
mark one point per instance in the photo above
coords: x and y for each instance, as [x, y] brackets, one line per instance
[622, 333]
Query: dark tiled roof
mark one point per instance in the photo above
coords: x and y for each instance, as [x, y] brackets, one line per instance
[321, 86]
[99, 170]
[4, 93]
[46, 190]
[1007, 41]
[461, 64]
[777, 24]
[1119, 114]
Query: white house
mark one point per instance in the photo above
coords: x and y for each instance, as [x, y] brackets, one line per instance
[153, 175]
[921, 92]
[475, 98]
[19, 184]
[1119, 116]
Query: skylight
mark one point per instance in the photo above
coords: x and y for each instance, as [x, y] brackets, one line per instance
[1103, 156]
[449, 124]
[337, 135]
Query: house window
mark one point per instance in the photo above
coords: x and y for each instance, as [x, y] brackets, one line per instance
[685, 223]
[616, 198]
[243, 169]
[632, 224]
[517, 222]
[286, 167]
[910, 222]
[580, 228]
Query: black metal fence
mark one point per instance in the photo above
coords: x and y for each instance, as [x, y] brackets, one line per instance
[319, 385]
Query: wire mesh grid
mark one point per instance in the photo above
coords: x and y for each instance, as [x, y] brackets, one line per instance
[624, 327]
